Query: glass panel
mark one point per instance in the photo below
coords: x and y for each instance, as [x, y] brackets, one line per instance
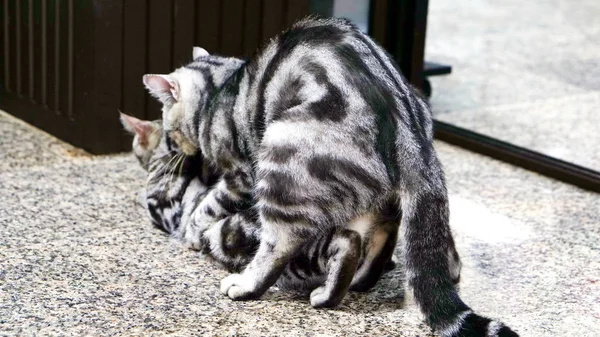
[524, 72]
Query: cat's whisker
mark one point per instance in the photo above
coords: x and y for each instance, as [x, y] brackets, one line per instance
[181, 165]
[175, 166]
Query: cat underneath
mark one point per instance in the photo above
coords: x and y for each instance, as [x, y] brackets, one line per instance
[177, 183]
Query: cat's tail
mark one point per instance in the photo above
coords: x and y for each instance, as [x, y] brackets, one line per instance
[469, 324]
[430, 258]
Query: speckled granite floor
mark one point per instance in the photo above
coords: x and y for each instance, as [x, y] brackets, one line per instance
[527, 72]
[78, 257]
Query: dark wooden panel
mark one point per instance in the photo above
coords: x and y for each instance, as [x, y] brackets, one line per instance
[296, 10]
[252, 27]
[26, 49]
[273, 13]
[39, 52]
[65, 58]
[12, 46]
[4, 61]
[41, 117]
[52, 55]
[184, 31]
[400, 34]
[232, 17]
[160, 33]
[84, 76]
[102, 132]
[208, 15]
[18, 56]
[86, 58]
[417, 55]
[378, 22]
[134, 57]
[22, 106]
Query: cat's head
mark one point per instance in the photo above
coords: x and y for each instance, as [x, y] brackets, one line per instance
[146, 137]
[159, 154]
[186, 92]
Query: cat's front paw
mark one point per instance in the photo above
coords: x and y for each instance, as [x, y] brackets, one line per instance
[239, 287]
[322, 298]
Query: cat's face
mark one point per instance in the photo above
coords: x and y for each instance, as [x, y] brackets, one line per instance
[185, 93]
[146, 137]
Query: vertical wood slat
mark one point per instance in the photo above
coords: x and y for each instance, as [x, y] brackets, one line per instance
[231, 28]
[296, 10]
[4, 57]
[12, 46]
[44, 53]
[208, 15]
[160, 27]
[183, 31]
[84, 76]
[64, 58]
[417, 55]
[18, 51]
[134, 57]
[52, 83]
[38, 52]
[272, 18]
[71, 61]
[252, 27]
[102, 130]
[30, 52]
[378, 23]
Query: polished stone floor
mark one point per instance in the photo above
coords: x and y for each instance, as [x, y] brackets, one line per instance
[79, 257]
[526, 72]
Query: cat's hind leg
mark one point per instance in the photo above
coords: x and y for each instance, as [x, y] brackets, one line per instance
[342, 254]
[278, 244]
[379, 242]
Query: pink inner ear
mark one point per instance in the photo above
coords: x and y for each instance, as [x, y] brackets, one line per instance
[137, 126]
[157, 83]
[160, 85]
[129, 122]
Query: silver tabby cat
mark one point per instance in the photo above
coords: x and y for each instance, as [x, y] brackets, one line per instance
[175, 186]
[324, 132]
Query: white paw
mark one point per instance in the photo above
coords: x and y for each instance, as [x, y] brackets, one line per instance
[237, 287]
[319, 297]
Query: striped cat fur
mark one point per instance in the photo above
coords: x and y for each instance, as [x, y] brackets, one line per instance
[323, 131]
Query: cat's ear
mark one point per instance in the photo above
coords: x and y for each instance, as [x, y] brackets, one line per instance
[143, 129]
[198, 52]
[163, 87]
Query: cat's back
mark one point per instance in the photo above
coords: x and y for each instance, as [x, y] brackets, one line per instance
[308, 37]
[328, 62]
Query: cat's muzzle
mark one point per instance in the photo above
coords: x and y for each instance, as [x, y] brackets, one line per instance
[183, 143]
